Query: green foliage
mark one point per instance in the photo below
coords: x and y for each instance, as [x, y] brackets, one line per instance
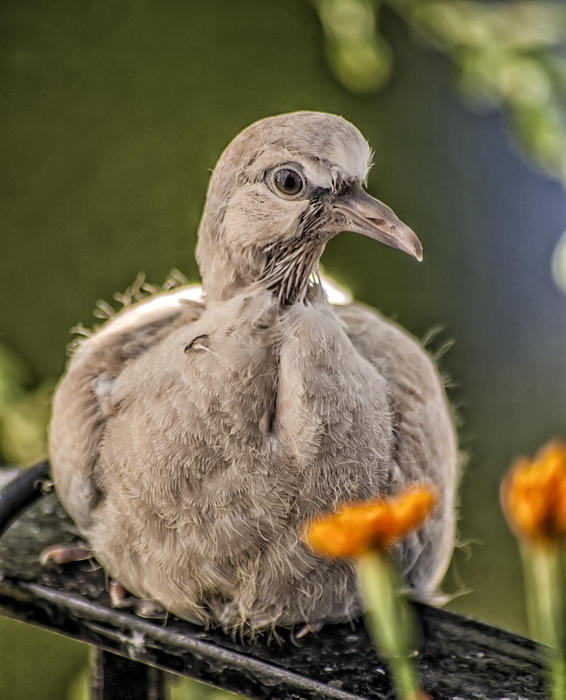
[35, 663]
[23, 413]
[358, 55]
[504, 55]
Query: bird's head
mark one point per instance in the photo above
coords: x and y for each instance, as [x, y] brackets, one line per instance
[280, 191]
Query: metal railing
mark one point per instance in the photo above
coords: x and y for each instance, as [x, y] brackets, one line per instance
[459, 658]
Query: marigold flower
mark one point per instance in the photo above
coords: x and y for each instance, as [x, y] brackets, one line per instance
[356, 528]
[533, 495]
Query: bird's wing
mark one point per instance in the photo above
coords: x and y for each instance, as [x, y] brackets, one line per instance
[82, 403]
[425, 449]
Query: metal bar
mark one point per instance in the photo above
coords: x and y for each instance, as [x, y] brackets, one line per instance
[21, 492]
[114, 677]
[458, 658]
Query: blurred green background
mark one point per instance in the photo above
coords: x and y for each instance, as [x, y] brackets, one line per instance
[113, 115]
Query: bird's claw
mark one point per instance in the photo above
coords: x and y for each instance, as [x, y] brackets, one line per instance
[65, 553]
[309, 628]
[119, 598]
[150, 609]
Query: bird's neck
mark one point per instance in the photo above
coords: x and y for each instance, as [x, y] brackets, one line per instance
[290, 272]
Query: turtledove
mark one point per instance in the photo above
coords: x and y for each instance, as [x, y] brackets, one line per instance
[190, 440]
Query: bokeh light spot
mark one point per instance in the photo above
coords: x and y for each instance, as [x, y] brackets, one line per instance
[559, 263]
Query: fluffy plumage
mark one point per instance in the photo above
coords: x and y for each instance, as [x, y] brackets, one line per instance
[190, 440]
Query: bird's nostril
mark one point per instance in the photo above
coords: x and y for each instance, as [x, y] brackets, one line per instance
[377, 222]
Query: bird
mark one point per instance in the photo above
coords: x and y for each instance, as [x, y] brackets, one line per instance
[191, 439]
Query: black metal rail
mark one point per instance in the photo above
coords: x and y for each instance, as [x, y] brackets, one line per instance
[459, 658]
[21, 492]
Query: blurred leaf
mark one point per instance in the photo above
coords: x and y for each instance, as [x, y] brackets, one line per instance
[357, 54]
[24, 414]
[13, 376]
[477, 25]
[361, 67]
[36, 663]
[505, 55]
[542, 133]
[23, 426]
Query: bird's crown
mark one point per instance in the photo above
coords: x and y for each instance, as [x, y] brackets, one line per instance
[303, 136]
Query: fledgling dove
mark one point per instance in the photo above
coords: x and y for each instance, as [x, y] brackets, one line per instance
[191, 440]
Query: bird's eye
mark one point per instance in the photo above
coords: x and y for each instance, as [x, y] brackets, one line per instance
[288, 182]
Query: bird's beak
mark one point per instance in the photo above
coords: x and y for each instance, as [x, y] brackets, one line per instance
[372, 218]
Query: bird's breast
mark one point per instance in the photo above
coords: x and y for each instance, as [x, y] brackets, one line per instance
[249, 400]
[333, 413]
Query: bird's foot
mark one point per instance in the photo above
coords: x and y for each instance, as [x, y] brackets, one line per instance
[150, 609]
[120, 598]
[65, 553]
[309, 628]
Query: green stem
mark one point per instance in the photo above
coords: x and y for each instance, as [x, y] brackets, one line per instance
[389, 619]
[545, 606]
[558, 677]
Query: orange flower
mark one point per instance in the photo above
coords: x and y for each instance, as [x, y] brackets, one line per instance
[356, 528]
[533, 495]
